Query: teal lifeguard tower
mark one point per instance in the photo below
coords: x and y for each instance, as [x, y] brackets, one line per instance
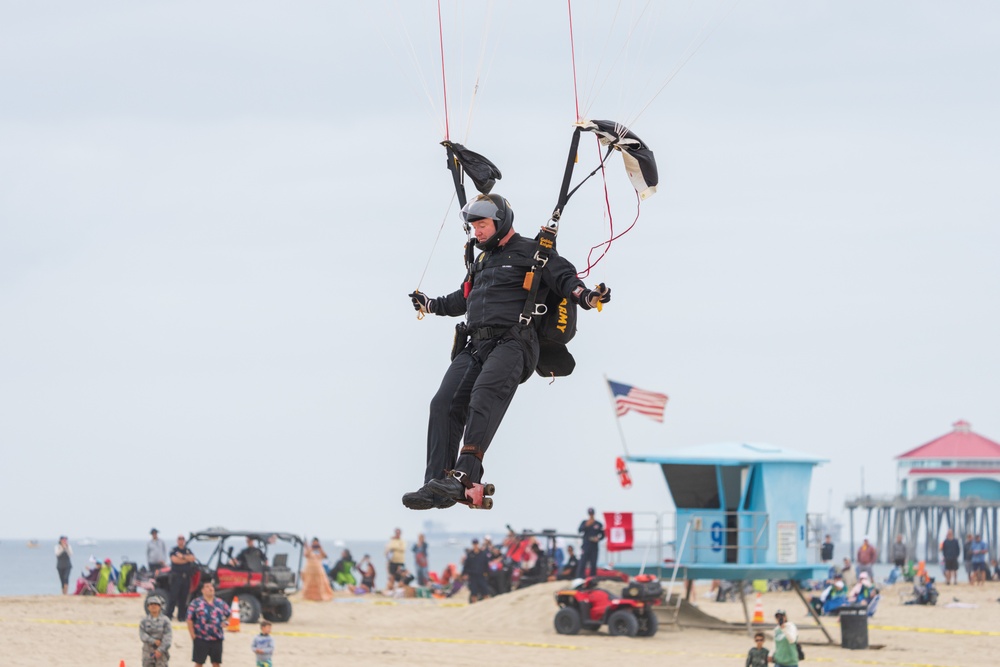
[741, 512]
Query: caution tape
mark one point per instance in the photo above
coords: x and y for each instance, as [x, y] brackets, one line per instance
[545, 645]
[936, 631]
[491, 642]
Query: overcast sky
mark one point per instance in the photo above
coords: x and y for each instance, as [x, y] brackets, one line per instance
[211, 215]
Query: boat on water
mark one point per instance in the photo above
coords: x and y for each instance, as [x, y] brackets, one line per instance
[32, 544]
[87, 542]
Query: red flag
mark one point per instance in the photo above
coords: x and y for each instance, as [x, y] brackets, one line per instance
[618, 528]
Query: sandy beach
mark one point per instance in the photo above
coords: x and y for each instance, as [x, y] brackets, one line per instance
[511, 629]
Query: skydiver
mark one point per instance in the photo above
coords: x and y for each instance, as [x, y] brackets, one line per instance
[498, 354]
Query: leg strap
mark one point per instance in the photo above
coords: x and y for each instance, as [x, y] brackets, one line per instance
[460, 476]
[472, 450]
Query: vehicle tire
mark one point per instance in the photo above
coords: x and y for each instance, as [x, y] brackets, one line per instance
[623, 623]
[279, 612]
[249, 608]
[162, 593]
[648, 624]
[567, 621]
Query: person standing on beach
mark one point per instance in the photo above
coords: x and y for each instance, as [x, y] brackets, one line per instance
[263, 645]
[395, 555]
[899, 552]
[477, 564]
[951, 550]
[181, 568]
[63, 563]
[786, 635]
[420, 560]
[826, 552]
[315, 583]
[867, 557]
[206, 620]
[967, 558]
[757, 656]
[980, 570]
[156, 551]
[156, 634]
[593, 532]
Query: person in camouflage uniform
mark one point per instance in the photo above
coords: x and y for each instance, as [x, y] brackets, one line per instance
[156, 634]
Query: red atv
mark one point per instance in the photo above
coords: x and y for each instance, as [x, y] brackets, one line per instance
[589, 607]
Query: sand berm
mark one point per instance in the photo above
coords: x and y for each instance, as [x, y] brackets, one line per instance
[514, 629]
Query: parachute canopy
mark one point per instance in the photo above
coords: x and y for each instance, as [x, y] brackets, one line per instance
[639, 162]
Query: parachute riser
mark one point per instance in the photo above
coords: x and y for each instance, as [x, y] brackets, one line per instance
[458, 180]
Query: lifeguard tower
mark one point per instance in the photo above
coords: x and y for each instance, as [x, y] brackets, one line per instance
[741, 512]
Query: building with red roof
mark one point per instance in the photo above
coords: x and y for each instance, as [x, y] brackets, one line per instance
[958, 465]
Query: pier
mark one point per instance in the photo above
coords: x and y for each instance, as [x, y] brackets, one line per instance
[922, 521]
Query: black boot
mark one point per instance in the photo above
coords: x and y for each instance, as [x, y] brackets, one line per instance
[425, 498]
[450, 487]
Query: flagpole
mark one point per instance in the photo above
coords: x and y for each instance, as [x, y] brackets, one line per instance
[614, 408]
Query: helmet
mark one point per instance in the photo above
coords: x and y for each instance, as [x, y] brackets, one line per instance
[492, 207]
[154, 599]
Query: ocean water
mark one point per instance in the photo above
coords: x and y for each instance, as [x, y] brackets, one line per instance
[32, 571]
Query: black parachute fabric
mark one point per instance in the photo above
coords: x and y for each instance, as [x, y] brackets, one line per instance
[484, 174]
[638, 158]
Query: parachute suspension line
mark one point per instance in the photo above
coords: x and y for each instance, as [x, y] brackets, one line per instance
[696, 42]
[595, 88]
[481, 73]
[431, 110]
[592, 87]
[611, 221]
[572, 53]
[436, 239]
[444, 79]
[607, 244]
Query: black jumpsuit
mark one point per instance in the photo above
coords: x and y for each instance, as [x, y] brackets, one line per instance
[480, 383]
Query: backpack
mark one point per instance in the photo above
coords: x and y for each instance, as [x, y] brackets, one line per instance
[555, 329]
[798, 648]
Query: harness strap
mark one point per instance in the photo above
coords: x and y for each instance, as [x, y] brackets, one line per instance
[532, 280]
[479, 265]
[484, 333]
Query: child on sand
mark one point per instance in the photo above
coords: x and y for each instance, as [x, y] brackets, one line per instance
[156, 634]
[757, 656]
[263, 645]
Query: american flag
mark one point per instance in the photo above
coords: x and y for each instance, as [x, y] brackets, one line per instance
[644, 402]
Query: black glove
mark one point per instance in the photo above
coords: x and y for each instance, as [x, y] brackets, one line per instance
[589, 298]
[421, 302]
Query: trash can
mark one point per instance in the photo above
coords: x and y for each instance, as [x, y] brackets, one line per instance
[854, 627]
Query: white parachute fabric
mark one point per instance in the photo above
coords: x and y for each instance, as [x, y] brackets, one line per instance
[640, 165]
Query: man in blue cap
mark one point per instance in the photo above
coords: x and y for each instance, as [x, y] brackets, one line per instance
[592, 531]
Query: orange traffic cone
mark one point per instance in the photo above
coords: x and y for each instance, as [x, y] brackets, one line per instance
[234, 616]
[758, 610]
[121, 664]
